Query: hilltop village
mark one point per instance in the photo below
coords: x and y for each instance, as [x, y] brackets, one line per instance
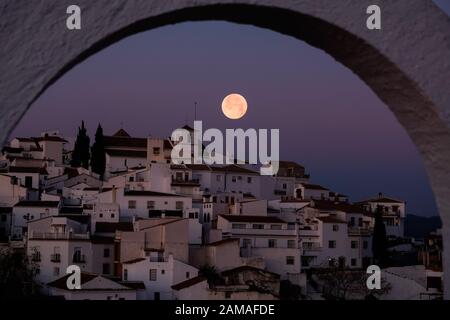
[145, 228]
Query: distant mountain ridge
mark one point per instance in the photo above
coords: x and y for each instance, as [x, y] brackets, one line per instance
[419, 227]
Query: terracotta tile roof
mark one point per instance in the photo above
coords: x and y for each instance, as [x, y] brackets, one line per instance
[314, 186]
[12, 149]
[221, 242]
[132, 261]
[331, 220]
[198, 167]
[42, 204]
[39, 170]
[338, 206]
[124, 141]
[233, 168]
[121, 133]
[50, 138]
[188, 283]
[382, 199]
[147, 193]
[112, 227]
[126, 153]
[245, 218]
[290, 164]
[248, 268]
[61, 283]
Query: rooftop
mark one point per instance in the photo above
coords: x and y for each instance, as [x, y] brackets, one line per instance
[244, 218]
[42, 204]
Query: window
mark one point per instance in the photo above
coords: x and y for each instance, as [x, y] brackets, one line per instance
[101, 215]
[284, 186]
[152, 274]
[331, 244]
[56, 271]
[125, 274]
[365, 244]
[360, 222]
[272, 243]
[163, 271]
[188, 275]
[131, 179]
[112, 215]
[249, 179]
[179, 205]
[258, 226]
[247, 243]
[28, 181]
[151, 205]
[352, 221]
[291, 226]
[3, 217]
[354, 244]
[238, 226]
[77, 256]
[291, 243]
[335, 227]
[131, 204]
[106, 268]
[332, 262]
[157, 296]
[353, 262]
[156, 151]
[290, 260]
[106, 253]
[218, 178]
[275, 226]
[233, 178]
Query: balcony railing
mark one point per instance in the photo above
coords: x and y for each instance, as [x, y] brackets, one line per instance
[59, 236]
[36, 257]
[79, 258]
[358, 230]
[56, 257]
[311, 247]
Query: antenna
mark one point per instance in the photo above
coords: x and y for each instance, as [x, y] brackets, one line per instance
[195, 110]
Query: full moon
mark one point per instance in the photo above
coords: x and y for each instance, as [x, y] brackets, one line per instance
[234, 106]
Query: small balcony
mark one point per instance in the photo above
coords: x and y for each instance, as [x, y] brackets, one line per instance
[311, 246]
[79, 258]
[36, 257]
[56, 257]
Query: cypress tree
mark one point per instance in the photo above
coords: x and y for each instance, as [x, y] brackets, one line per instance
[80, 154]
[98, 159]
[379, 241]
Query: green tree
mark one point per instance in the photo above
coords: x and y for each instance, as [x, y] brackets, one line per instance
[211, 274]
[98, 158]
[16, 275]
[80, 154]
[379, 241]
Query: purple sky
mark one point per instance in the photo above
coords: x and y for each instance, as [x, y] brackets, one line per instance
[329, 120]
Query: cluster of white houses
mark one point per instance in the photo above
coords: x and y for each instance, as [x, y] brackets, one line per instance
[149, 227]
